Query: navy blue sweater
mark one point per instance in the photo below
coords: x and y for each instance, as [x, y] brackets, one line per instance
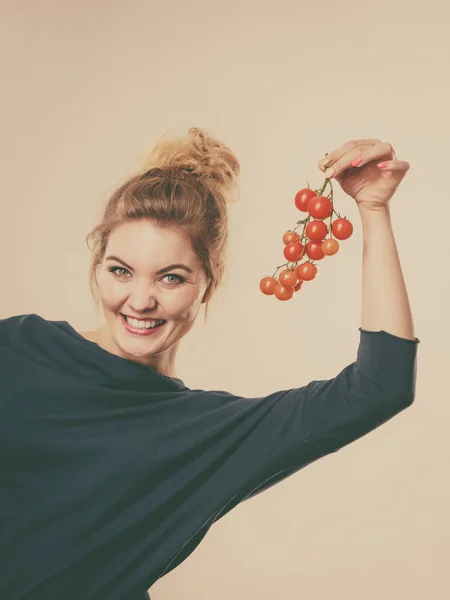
[111, 474]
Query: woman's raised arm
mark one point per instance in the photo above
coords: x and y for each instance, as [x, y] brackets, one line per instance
[368, 171]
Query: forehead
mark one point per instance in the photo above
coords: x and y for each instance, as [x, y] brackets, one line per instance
[145, 243]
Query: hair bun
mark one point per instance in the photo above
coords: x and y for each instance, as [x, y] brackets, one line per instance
[199, 153]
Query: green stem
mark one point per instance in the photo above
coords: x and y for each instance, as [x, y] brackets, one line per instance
[278, 268]
[302, 222]
[330, 196]
[320, 191]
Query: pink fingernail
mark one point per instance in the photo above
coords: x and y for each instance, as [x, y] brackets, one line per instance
[382, 165]
[356, 162]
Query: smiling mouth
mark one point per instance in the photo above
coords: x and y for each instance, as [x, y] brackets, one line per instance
[142, 325]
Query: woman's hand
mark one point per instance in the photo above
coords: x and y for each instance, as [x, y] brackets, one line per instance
[366, 170]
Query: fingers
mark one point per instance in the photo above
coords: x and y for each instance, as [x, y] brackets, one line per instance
[394, 165]
[360, 155]
[334, 156]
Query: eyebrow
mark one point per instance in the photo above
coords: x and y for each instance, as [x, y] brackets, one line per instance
[160, 272]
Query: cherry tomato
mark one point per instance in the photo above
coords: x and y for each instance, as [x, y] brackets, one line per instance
[316, 230]
[314, 251]
[290, 236]
[284, 293]
[303, 197]
[288, 278]
[342, 229]
[306, 271]
[294, 251]
[330, 247]
[320, 207]
[298, 286]
[267, 285]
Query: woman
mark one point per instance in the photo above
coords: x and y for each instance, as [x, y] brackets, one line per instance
[114, 470]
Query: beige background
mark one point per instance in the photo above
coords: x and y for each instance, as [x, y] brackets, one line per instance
[88, 86]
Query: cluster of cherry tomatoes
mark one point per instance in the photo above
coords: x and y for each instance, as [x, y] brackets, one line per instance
[317, 240]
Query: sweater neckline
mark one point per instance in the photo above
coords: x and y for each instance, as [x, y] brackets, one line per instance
[123, 367]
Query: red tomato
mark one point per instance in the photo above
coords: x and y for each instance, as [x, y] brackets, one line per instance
[267, 285]
[330, 247]
[320, 207]
[290, 236]
[288, 278]
[284, 293]
[303, 197]
[316, 231]
[342, 229]
[306, 271]
[298, 286]
[294, 251]
[314, 251]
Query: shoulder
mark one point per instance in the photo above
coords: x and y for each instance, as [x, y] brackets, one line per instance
[21, 327]
[16, 321]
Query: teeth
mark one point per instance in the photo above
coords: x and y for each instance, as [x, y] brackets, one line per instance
[143, 324]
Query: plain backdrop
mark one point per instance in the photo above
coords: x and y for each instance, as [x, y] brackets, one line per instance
[89, 86]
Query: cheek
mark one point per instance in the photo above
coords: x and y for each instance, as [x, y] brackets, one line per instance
[183, 303]
[110, 292]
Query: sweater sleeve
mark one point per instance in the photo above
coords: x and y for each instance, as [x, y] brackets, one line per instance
[377, 386]
[298, 426]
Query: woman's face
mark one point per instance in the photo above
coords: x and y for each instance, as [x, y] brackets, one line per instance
[153, 274]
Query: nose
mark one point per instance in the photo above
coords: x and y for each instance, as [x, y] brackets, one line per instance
[142, 300]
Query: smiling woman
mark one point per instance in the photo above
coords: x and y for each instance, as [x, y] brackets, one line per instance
[167, 228]
[113, 470]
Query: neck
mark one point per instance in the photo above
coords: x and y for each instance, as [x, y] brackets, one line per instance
[163, 363]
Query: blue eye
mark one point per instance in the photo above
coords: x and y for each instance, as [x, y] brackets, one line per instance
[178, 279]
[116, 269]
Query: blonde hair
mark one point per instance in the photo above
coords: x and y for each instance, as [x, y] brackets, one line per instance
[185, 182]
